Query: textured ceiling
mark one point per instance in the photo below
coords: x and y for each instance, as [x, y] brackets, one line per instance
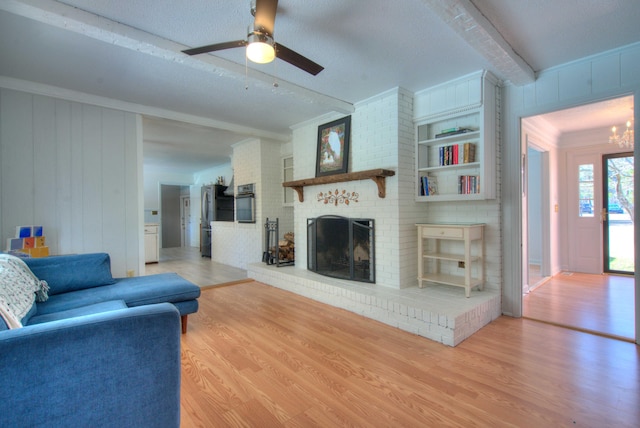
[603, 114]
[130, 51]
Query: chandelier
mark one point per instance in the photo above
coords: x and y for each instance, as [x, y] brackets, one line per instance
[625, 140]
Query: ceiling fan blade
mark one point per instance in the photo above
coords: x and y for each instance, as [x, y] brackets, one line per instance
[294, 58]
[265, 14]
[215, 47]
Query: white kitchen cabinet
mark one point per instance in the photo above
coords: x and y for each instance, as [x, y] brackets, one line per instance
[151, 243]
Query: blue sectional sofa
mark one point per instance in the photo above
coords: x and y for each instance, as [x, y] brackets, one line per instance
[82, 284]
[99, 351]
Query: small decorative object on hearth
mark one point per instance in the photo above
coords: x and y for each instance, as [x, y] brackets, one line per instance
[286, 248]
[336, 197]
[279, 252]
[333, 147]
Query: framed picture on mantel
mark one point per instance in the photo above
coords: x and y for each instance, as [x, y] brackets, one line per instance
[333, 147]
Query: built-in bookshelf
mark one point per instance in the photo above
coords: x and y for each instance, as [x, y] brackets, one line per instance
[455, 153]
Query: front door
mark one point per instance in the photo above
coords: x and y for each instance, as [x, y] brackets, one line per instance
[617, 213]
[583, 214]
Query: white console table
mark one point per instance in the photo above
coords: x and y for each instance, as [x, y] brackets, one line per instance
[471, 234]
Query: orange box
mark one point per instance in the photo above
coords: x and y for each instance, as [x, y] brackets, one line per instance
[39, 252]
[29, 242]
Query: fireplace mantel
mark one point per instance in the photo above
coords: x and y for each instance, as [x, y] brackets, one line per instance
[377, 175]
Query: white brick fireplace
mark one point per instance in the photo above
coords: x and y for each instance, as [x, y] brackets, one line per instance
[382, 136]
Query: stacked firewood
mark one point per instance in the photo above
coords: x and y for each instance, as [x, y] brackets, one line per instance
[286, 247]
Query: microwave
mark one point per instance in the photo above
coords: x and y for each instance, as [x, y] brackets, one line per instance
[246, 204]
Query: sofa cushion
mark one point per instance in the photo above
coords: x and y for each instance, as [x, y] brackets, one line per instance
[72, 272]
[119, 368]
[158, 288]
[18, 290]
[96, 308]
[135, 291]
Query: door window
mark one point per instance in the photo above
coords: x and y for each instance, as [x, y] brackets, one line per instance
[585, 187]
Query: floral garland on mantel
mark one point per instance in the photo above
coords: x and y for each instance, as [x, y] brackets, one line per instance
[338, 197]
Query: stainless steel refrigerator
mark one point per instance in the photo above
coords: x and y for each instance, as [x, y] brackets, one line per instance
[216, 206]
[206, 217]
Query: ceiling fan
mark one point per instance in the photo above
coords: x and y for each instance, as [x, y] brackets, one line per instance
[260, 45]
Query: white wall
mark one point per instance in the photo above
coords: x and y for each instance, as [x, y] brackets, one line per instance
[603, 76]
[271, 196]
[259, 162]
[76, 170]
[237, 244]
[210, 176]
[286, 220]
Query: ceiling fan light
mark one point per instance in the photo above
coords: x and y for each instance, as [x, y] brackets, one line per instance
[260, 48]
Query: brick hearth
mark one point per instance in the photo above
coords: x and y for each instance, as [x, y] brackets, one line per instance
[437, 312]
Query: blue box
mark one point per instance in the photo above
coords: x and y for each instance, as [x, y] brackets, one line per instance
[14, 244]
[23, 231]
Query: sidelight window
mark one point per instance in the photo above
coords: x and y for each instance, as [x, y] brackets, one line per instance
[585, 186]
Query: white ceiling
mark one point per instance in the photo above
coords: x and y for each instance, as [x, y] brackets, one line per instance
[130, 51]
[603, 114]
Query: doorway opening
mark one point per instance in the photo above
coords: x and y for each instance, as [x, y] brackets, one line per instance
[577, 294]
[172, 225]
[536, 205]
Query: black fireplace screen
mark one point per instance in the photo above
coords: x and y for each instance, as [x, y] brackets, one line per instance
[341, 247]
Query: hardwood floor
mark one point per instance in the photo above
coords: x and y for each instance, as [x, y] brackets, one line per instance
[601, 304]
[188, 263]
[258, 356]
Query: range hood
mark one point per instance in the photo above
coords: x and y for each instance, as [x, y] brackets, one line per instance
[229, 189]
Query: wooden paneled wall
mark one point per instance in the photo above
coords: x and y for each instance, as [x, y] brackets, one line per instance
[76, 170]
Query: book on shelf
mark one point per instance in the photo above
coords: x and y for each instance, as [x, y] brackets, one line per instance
[428, 185]
[454, 154]
[453, 131]
[469, 150]
[468, 184]
[432, 185]
[448, 155]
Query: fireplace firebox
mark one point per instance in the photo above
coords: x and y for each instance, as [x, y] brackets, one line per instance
[341, 247]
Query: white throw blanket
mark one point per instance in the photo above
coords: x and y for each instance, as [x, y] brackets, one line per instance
[19, 289]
